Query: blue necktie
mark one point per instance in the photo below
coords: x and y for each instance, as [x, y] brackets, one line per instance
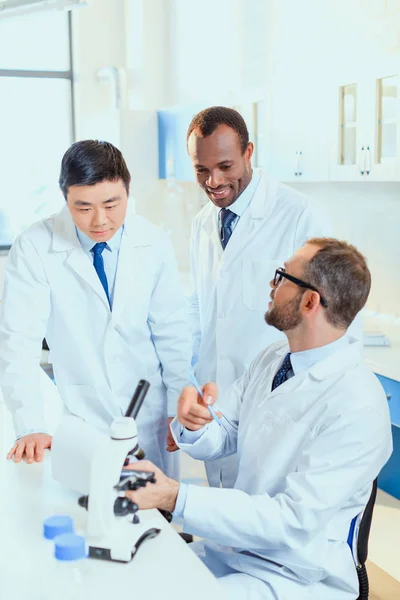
[282, 372]
[98, 264]
[227, 217]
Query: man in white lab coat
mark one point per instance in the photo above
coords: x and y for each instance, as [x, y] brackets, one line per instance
[311, 427]
[248, 229]
[101, 285]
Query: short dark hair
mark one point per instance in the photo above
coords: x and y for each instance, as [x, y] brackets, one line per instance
[89, 162]
[340, 273]
[210, 118]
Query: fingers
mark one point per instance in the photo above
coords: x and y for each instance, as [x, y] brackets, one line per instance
[30, 452]
[171, 445]
[189, 408]
[142, 465]
[12, 451]
[210, 391]
[172, 448]
[19, 451]
[189, 397]
[39, 452]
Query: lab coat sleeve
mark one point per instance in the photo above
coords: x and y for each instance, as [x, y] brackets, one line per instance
[336, 464]
[169, 326]
[215, 441]
[24, 313]
[193, 303]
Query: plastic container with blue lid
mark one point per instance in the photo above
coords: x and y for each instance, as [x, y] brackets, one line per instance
[57, 525]
[68, 577]
[70, 547]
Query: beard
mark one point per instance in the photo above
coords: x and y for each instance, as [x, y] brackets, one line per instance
[287, 316]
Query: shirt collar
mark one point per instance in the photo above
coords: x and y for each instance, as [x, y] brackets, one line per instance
[239, 206]
[112, 245]
[301, 361]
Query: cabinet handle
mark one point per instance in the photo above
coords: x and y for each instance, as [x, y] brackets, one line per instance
[362, 170]
[298, 172]
[388, 397]
[369, 163]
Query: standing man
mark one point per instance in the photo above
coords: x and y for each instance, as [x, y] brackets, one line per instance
[102, 286]
[251, 224]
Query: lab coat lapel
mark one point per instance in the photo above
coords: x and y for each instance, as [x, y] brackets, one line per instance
[66, 240]
[210, 229]
[250, 222]
[341, 360]
[129, 266]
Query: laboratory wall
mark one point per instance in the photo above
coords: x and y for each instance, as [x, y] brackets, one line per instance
[133, 58]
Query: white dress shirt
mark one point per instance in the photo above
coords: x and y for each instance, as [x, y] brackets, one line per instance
[240, 205]
[110, 256]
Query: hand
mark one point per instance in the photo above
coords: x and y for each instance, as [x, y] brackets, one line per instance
[31, 446]
[162, 494]
[171, 444]
[192, 408]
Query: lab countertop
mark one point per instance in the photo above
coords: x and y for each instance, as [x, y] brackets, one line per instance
[164, 567]
[384, 360]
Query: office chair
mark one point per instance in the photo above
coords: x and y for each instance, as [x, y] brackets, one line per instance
[358, 542]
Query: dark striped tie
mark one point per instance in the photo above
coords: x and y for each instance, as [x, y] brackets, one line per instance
[227, 217]
[282, 372]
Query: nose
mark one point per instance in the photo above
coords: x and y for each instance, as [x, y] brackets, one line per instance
[215, 179]
[99, 217]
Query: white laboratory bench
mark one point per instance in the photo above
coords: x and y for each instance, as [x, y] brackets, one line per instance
[164, 568]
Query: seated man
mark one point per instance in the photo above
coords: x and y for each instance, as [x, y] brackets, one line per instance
[311, 427]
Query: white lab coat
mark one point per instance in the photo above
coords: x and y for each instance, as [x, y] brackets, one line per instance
[308, 453]
[231, 287]
[52, 290]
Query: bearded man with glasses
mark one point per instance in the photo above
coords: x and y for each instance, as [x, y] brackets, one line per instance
[311, 427]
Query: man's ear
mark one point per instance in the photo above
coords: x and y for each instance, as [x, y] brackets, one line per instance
[311, 301]
[249, 150]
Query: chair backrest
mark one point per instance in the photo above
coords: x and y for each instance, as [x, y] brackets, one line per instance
[360, 528]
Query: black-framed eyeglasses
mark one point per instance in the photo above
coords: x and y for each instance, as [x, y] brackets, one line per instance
[280, 273]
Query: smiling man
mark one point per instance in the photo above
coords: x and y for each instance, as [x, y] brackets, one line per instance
[101, 285]
[251, 224]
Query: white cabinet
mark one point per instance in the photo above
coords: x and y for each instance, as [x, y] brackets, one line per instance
[365, 142]
[333, 90]
[298, 96]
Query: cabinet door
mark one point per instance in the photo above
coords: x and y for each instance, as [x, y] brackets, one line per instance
[298, 141]
[349, 138]
[384, 147]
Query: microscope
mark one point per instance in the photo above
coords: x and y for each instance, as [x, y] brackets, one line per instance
[114, 531]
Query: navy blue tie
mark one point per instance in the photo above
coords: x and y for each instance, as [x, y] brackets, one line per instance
[98, 264]
[282, 372]
[227, 217]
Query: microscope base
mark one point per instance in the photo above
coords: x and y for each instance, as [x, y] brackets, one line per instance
[122, 544]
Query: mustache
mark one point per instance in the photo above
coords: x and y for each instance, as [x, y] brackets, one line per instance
[218, 189]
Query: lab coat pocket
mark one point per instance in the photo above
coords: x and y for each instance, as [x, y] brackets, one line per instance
[256, 276]
[84, 401]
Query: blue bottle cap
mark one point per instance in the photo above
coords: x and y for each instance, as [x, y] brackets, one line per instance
[69, 546]
[56, 525]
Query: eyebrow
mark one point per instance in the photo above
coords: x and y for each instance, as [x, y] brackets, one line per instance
[108, 201]
[228, 160]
